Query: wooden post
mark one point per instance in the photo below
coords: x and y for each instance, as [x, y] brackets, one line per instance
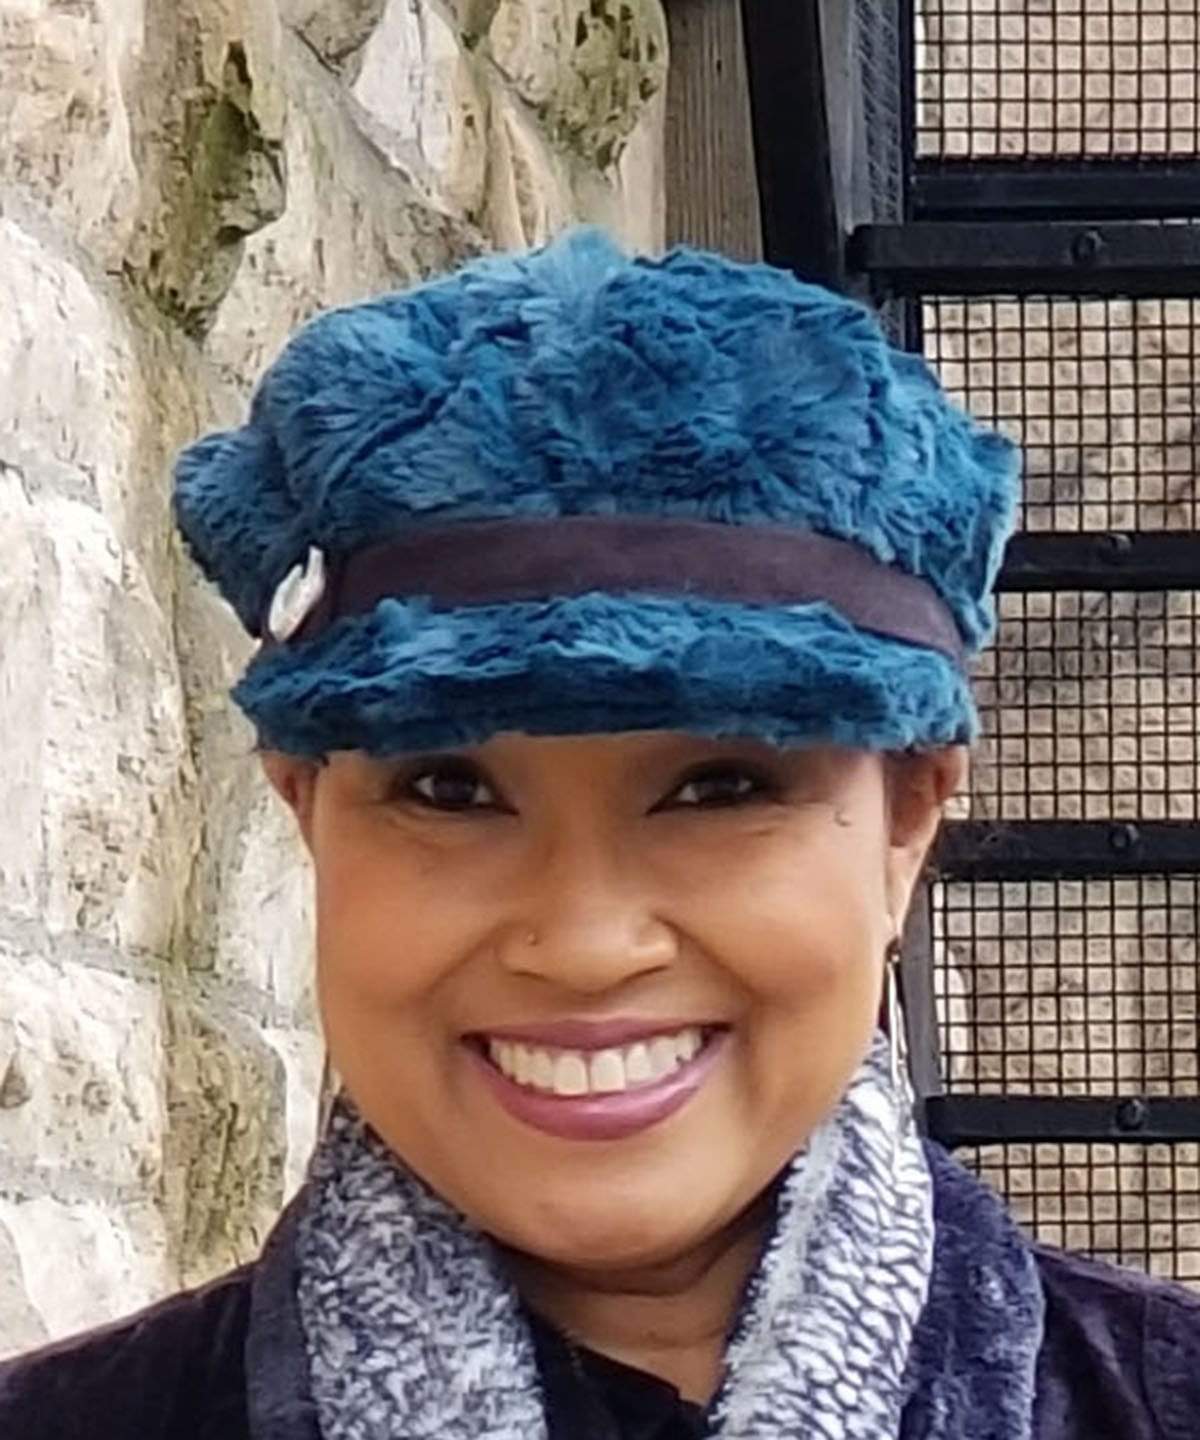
[712, 188]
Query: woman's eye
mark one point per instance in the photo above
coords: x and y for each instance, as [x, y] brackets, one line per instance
[452, 787]
[727, 786]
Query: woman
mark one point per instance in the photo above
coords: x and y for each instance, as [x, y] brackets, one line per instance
[615, 620]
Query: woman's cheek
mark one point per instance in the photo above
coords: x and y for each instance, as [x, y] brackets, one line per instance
[375, 942]
[801, 938]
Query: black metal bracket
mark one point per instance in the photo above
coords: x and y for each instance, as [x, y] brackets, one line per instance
[1059, 257]
[1065, 849]
[1046, 189]
[959, 1120]
[800, 223]
[1142, 561]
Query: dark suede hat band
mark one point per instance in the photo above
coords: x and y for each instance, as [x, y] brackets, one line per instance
[489, 562]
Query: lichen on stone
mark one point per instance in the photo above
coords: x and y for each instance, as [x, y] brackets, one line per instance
[587, 67]
[234, 184]
[336, 33]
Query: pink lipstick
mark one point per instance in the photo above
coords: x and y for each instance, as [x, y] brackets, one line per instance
[631, 1100]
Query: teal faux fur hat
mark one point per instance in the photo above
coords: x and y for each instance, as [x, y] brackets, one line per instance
[575, 492]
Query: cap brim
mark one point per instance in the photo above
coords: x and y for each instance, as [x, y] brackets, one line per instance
[408, 677]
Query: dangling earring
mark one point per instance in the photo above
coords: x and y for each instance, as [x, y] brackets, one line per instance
[326, 1095]
[895, 1017]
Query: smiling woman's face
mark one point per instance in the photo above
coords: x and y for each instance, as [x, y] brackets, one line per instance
[582, 914]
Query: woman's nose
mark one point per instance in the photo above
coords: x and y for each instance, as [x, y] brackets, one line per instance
[588, 934]
[590, 950]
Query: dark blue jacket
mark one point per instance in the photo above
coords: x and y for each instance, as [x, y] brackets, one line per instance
[1120, 1359]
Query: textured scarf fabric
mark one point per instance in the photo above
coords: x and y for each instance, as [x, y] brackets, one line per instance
[414, 1330]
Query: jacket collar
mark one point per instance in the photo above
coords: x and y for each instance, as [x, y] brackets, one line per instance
[278, 1394]
[973, 1362]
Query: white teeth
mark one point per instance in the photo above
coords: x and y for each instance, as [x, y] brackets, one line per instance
[570, 1075]
[607, 1072]
[542, 1077]
[599, 1072]
[663, 1058]
[638, 1070]
[687, 1043]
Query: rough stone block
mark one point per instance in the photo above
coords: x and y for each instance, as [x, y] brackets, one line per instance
[114, 820]
[76, 1264]
[302, 1054]
[529, 183]
[225, 1148]
[354, 226]
[336, 32]
[586, 67]
[420, 103]
[81, 1078]
[25, 553]
[64, 115]
[21, 1327]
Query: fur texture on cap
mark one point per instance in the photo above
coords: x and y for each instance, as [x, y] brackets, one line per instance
[576, 380]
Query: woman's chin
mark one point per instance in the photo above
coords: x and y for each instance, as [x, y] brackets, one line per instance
[608, 1251]
[608, 1233]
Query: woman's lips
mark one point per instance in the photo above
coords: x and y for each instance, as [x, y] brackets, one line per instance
[601, 1116]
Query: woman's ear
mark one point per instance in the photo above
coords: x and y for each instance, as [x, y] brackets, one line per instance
[919, 786]
[295, 780]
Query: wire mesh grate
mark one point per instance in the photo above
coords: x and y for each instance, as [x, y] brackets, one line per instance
[1062, 78]
[1133, 1204]
[1089, 705]
[1085, 987]
[1102, 394]
[1090, 700]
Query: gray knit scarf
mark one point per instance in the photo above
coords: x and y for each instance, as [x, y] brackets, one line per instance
[414, 1330]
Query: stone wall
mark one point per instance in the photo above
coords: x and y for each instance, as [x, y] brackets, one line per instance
[180, 184]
